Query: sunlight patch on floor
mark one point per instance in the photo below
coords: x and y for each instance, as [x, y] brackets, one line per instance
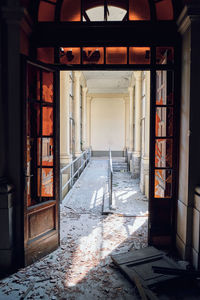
[98, 245]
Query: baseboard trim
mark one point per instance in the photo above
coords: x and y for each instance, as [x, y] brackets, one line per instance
[115, 153]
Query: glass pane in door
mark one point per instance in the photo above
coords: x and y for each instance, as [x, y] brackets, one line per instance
[40, 136]
[47, 121]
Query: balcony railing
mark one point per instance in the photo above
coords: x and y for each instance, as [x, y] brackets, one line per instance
[72, 171]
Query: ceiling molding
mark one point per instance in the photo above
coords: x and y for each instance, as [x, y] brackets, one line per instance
[113, 95]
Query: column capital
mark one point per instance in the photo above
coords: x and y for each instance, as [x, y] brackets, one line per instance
[130, 89]
[138, 75]
[85, 89]
[89, 98]
[77, 75]
[190, 13]
[64, 76]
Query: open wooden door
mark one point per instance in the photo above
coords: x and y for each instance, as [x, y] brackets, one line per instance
[163, 159]
[41, 162]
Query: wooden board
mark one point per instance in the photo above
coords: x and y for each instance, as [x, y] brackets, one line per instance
[139, 263]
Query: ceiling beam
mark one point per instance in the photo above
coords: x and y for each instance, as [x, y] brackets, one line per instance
[98, 33]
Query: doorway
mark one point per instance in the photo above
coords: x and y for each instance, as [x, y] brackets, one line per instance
[113, 105]
[163, 145]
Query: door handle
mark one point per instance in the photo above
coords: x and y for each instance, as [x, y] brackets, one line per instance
[29, 175]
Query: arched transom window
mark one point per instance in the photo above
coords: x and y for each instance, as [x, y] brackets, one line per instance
[104, 10]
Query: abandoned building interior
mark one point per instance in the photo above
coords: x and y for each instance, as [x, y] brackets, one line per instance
[106, 100]
[99, 131]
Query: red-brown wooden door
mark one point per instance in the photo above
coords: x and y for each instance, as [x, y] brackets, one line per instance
[41, 164]
[163, 161]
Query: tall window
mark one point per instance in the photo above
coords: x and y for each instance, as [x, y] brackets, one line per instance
[104, 10]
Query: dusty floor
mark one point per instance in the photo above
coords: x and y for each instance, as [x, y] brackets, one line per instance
[127, 198]
[81, 268]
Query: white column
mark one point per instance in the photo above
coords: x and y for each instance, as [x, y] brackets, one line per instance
[144, 171]
[131, 107]
[147, 115]
[127, 122]
[84, 118]
[77, 112]
[137, 131]
[65, 156]
[138, 98]
[147, 133]
[89, 99]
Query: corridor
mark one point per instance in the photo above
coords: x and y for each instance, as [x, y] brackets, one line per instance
[81, 268]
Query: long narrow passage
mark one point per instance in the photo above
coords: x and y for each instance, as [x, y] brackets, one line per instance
[81, 268]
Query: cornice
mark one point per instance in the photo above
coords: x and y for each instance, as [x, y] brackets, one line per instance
[189, 14]
[96, 95]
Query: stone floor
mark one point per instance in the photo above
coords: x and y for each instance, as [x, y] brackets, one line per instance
[127, 198]
[81, 267]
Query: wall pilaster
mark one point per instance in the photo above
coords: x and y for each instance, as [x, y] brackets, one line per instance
[77, 112]
[136, 157]
[84, 118]
[65, 156]
[89, 100]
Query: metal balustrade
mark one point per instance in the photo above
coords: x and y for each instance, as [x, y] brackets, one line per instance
[110, 178]
[74, 170]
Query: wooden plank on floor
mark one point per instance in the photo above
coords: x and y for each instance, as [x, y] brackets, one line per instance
[135, 256]
[139, 263]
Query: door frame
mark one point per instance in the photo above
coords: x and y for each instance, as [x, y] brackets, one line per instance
[152, 67]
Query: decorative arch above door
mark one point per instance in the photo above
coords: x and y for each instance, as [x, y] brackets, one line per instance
[81, 10]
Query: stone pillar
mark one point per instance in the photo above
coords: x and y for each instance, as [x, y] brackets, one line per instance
[89, 99]
[136, 157]
[65, 155]
[84, 118]
[144, 178]
[131, 113]
[127, 122]
[77, 113]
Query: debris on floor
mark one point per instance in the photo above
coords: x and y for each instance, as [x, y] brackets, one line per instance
[152, 271]
[127, 199]
[81, 268]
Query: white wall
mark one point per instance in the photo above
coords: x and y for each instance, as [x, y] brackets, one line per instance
[107, 123]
